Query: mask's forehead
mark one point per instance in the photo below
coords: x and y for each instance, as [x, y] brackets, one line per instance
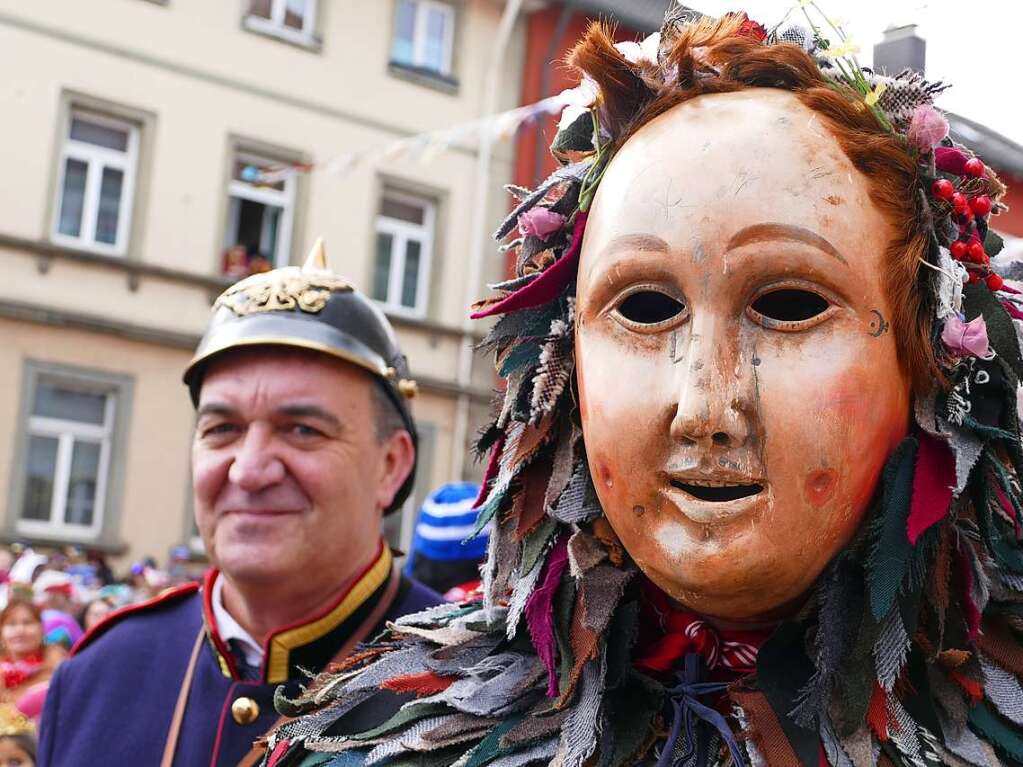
[718, 164]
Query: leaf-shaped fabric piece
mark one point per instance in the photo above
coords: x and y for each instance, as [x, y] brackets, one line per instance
[933, 482]
[889, 559]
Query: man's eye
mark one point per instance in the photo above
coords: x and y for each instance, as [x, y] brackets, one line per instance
[789, 308]
[649, 309]
[301, 430]
[218, 429]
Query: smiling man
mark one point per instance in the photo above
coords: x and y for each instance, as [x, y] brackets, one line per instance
[303, 441]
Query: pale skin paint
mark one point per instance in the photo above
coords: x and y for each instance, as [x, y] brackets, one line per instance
[290, 480]
[759, 197]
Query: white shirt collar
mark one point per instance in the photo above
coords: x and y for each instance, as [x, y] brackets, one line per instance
[228, 628]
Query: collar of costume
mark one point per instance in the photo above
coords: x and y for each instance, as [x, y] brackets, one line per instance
[310, 643]
[907, 650]
[668, 633]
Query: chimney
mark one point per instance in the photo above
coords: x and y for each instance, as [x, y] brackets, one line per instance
[900, 49]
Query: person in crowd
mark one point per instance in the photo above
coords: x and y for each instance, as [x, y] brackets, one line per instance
[755, 481]
[55, 593]
[27, 663]
[17, 739]
[304, 439]
[95, 611]
[100, 567]
[17, 750]
[440, 556]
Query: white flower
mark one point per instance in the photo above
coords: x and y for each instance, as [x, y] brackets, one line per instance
[644, 52]
[578, 101]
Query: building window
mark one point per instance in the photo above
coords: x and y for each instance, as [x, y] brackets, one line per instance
[293, 20]
[404, 240]
[96, 183]
[259, 217]
[424, 34]
[67, 458]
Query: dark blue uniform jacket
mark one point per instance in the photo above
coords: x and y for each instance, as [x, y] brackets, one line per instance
[113, 701]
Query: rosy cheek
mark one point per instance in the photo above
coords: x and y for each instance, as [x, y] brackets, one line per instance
[819, 487]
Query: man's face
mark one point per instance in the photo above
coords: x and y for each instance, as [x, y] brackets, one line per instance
[290, 477]
[738, 381]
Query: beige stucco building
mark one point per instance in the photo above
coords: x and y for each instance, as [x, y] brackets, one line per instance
[137, 137]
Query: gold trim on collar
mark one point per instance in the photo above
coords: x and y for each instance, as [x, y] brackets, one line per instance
[282, 644]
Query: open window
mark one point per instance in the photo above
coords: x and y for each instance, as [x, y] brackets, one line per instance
[259, 217]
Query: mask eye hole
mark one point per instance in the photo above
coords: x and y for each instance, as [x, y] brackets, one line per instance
[649, 309]
[790, 309]
[790, 305]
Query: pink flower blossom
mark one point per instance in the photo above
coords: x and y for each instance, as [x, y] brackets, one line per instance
[927, 128]
[540, 222]
[966, 337]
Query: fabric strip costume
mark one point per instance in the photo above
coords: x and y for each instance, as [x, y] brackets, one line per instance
[906, 650]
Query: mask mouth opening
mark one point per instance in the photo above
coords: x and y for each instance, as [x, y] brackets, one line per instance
[718, 492]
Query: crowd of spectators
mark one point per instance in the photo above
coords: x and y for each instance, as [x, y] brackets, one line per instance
[48, 600]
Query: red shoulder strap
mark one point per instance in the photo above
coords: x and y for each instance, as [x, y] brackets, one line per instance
[163, 598]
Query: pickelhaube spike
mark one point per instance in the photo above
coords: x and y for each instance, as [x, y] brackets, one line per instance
[309, 307]
[316, 261]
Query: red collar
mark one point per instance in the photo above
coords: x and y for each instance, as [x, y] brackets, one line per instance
[668, 633]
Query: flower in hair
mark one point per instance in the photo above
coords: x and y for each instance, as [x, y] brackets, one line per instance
[578, 101]
[966, 337]
[540, 222]
[927, 128]
[644, 52]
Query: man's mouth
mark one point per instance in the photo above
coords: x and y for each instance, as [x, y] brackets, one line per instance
[716, 491]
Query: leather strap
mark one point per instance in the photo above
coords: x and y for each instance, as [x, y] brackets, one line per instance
[357, 637]
[171, 743]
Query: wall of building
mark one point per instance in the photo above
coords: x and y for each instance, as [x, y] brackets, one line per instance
[199, 84]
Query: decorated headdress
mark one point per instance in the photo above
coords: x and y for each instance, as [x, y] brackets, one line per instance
[907, 650]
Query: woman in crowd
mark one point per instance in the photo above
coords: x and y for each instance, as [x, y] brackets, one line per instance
[95, 611]
[27, 663]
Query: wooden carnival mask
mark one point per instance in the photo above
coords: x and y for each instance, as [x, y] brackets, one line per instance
[738, 381]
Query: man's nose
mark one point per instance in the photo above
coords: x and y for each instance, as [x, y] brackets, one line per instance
[256, 465]
[715, 388]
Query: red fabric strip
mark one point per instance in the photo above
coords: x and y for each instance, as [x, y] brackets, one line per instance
[422, 684]
[932, 486]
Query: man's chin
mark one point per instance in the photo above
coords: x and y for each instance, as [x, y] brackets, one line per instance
[260, 559]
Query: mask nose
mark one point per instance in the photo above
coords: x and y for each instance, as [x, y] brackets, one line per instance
[256, 466]
[715, 387]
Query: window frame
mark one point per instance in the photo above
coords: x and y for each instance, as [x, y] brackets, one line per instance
[96, 159]
[420, 36]
[285, 199]
[119, 389]
[275, 26]
[401, 232]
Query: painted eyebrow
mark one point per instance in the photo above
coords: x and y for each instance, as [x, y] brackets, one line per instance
[645, 242]
[773, 231]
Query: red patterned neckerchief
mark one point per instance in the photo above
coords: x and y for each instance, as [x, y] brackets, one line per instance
[668, 633]
[17, 672]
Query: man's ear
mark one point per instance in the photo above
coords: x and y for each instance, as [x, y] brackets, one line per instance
[399, 456]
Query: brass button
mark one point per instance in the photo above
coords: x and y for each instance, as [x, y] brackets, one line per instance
[245, 710]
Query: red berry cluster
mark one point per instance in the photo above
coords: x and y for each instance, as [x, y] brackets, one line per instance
[966, 208]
